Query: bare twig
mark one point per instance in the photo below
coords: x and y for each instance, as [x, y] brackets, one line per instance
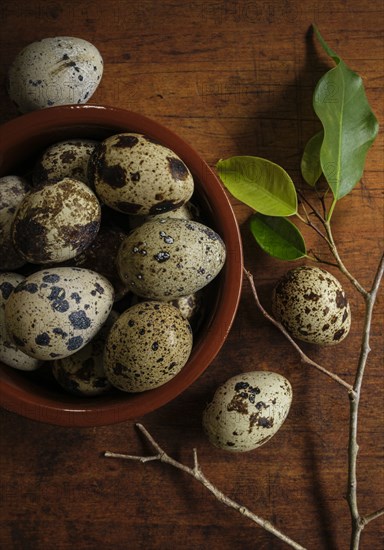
[307, 220]
[304, 358]
[198, 475]
[317, 258]
[340, 263]
[374, 515]
[358, 523]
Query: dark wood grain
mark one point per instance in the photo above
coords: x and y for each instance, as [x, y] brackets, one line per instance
[231, 78]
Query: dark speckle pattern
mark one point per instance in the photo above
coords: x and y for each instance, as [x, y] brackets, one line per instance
[45, 232]
[51, 319]
[133, 174]
[147, 346]
[6, 289]
[167, 258]
[238, 421]
[312, 305]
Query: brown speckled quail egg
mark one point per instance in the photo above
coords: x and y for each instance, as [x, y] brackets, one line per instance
[100, 256]
[54, 71]
[55, 312]
[311, 304]
[83, 372]
[166, 258]
[187, 211]
[147, 346]
[13, 189]
[65, 159]
[133, 174]
[247, 410]
[191, 308]
[56, 222]
[9, 354]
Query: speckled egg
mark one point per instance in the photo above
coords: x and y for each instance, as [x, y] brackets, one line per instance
[191, 308]
[56, 222]
[9, 354]
[55, 312]
[54, 71]
[168, 257]
[136, 175]
[187, 211]
[83, 372]
[100, 256]
[311, 304]
[247, 410]
[65, 159]
[147, 346]
[13, 190]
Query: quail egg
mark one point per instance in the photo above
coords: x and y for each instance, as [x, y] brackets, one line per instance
[13, 189]
[147, 346]
[83, 372]
[134, 174]
[166, 258]
[311, 304]
[191, 308]
[54, 71]
[9, 354]
[65, 159]
[56, 222]
[55, 312]
[100, 256]
[247, 410]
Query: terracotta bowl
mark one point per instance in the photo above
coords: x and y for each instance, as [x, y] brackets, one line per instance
[36, 396]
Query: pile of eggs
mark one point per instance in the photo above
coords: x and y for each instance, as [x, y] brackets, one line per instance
[103, 264]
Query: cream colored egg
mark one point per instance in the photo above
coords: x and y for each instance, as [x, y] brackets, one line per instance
[187, 211]
[247, 410]
[100, 256]
[312, 305]
[55, 312]
[166, 258]
[83, 372]
[13, 189]
[56, 222]
[147, 346]
[134, 174]
[54, 71]
[65, 159]
[9, 354]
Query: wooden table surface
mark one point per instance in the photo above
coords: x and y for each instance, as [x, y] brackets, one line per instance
[230, 77]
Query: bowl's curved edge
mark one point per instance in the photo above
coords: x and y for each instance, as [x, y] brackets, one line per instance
[86, 415]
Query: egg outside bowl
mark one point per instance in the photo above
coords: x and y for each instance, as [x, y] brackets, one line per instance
[35, 395]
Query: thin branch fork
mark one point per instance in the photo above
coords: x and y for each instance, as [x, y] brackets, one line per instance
[198, 475]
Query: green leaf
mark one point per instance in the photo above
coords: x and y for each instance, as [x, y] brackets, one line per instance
[349, 124]
[259, 183]
[310, 162]
[279, 237]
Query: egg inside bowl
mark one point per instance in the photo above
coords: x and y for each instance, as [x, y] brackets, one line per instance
[35, 394]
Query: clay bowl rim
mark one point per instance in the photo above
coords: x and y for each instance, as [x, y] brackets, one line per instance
[19, 394]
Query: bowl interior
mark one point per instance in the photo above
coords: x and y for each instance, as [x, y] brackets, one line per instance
[35, 394]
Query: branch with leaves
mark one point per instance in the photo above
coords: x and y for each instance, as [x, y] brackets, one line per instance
[336, 155]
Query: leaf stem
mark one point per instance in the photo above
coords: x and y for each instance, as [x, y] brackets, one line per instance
[304, 358]
[331, 209]
[198, 475]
